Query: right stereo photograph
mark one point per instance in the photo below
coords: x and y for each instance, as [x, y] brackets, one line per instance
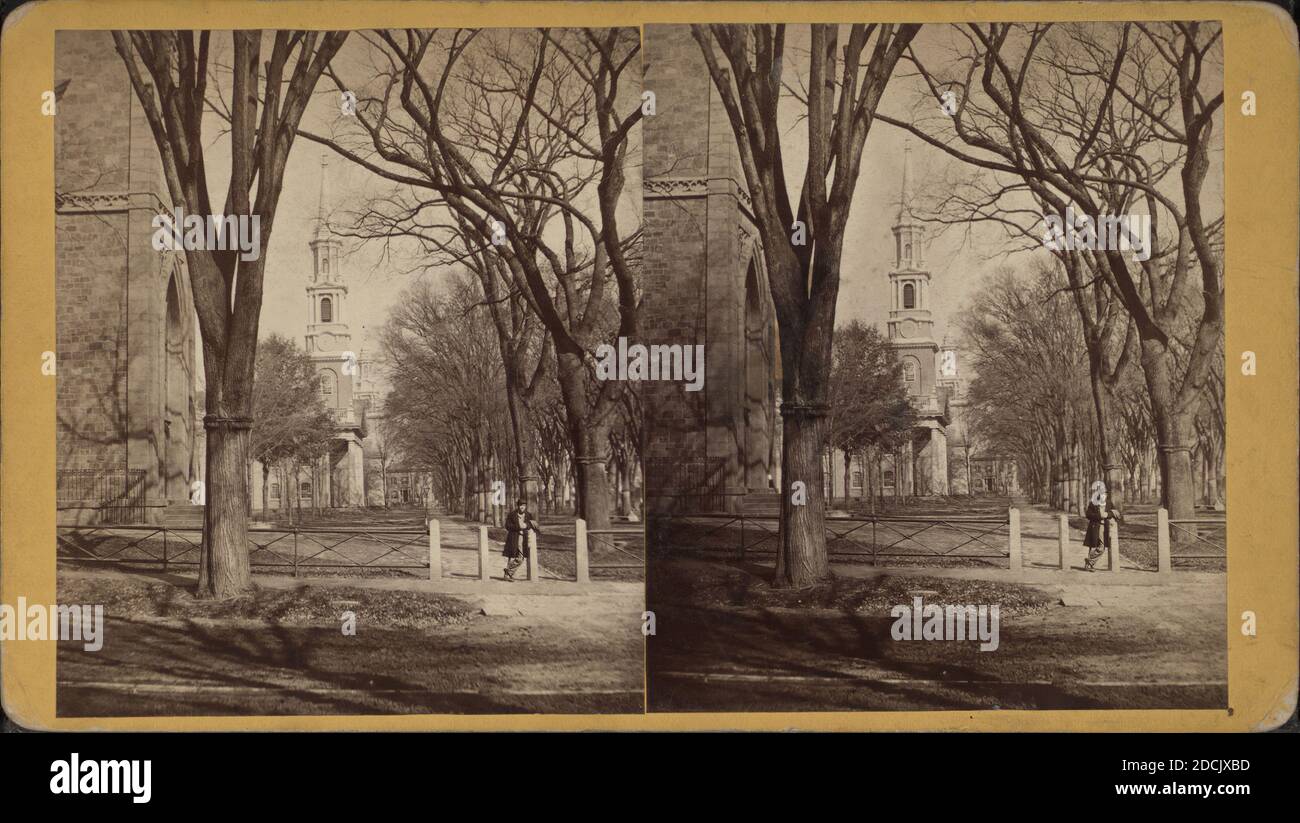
[955, 436]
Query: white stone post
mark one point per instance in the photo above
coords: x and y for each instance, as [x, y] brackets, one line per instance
[435, 549]
[580, 550]
[1114, 545]
[534, 560]
[483, 553]
[1014, 556]
[1063, 539]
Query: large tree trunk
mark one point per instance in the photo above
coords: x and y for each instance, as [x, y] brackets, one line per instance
[802, 560]
[1110, 466]
[524, 436]
[593, 482]
[224, 570]
[1174, 435]
[590, 439]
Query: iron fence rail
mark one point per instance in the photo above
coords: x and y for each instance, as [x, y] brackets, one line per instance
[290, 548]
[1191, 533]
[889, 536]
[617, 540]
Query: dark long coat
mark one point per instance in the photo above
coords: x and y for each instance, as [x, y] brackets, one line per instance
[1098, 527]
[517, 532]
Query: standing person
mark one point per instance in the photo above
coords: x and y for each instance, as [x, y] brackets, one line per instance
[518, 524]
[1099, 515]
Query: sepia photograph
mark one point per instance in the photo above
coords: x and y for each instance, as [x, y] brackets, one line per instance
[961, 434]
[332, 435]
[375, 375]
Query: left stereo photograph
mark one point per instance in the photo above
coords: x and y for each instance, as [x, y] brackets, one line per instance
[333, 436]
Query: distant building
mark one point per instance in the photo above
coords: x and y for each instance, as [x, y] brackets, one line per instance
[339, 479]
[940, 457]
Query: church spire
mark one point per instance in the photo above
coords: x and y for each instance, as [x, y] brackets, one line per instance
[321, 230]
[905, 214]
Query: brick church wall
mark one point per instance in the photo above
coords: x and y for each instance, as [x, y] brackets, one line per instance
[111, 304]
[699, 239]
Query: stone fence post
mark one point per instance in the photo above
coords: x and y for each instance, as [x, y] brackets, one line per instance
[1014, 557]
[435, 549]
[1164, 557]
[580, 549]
[1063, 539]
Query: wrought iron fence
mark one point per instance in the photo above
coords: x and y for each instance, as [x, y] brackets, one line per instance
[863, 538]
[116, 495]
[285, 549]
[1207, 539]
[628, 545]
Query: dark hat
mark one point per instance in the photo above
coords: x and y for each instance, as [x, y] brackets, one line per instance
[521, 502]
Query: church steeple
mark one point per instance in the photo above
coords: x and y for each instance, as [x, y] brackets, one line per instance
[325, 247]
[321, 222]
[327, 316]
[905, 196]
[911, 326]
[909, 232]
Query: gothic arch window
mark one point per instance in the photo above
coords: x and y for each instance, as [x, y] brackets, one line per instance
[910, 371]
[909, 296]
[326, 310]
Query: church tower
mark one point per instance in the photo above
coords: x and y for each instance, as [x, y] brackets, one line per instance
[329, 339]
[911, 327]
[329, 344]
[911, 334]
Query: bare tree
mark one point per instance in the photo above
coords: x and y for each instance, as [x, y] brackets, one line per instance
[520, 139]
[844, 88]
[1106, 119]
[169, 73]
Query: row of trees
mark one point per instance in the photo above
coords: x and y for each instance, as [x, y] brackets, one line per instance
[1032, 402]
[450, 406]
